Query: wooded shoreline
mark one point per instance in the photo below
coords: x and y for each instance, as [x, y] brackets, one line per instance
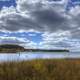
[9, 48]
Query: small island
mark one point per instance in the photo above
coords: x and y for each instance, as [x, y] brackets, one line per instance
[13, 48]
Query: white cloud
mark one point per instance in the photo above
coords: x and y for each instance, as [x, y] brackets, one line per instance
[6, 11]
[12, 40]
[50, 40]
[75, 11]
[56, 35]
[30, 44]
[32, 34]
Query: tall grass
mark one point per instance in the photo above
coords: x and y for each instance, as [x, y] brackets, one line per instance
[53, 69]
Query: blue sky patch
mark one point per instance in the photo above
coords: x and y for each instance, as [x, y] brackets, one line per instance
[72, 3]
[7, 3]
[32, 36]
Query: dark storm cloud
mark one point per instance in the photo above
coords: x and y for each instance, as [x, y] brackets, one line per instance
[41, 18]
[16, 22]
[46, 15]
[51, 19]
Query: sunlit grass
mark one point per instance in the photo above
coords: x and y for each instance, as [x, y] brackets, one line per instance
[53, 69]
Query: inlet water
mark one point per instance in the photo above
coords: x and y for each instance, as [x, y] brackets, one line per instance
[37, 55]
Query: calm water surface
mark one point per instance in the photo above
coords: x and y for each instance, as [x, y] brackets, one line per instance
[37, 55]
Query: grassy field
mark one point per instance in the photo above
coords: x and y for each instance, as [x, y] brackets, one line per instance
[54, 69]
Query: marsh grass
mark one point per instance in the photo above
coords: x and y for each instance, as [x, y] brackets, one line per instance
[49, 69]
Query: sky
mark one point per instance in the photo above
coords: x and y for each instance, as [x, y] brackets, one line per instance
[47, 24]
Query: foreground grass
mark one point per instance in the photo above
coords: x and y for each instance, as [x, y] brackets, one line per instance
[54, 69]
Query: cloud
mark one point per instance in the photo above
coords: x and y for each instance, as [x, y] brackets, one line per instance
[60, 40]
[32, 14]
[59, 28]
[15, 22]
[16, 40]
[12, 40]
[31, 45]
[56, 39]
[22, 38]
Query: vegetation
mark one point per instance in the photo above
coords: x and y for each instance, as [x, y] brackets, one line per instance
[54, 69]
[10, 48]
[48, 50]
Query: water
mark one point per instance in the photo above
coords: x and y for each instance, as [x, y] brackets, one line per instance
[38, 55]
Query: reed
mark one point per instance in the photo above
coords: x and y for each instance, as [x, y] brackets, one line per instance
[48, 69]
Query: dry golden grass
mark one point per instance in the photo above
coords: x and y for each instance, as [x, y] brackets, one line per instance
[53, 69]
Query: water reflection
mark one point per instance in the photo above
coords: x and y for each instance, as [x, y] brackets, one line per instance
[36, 55]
